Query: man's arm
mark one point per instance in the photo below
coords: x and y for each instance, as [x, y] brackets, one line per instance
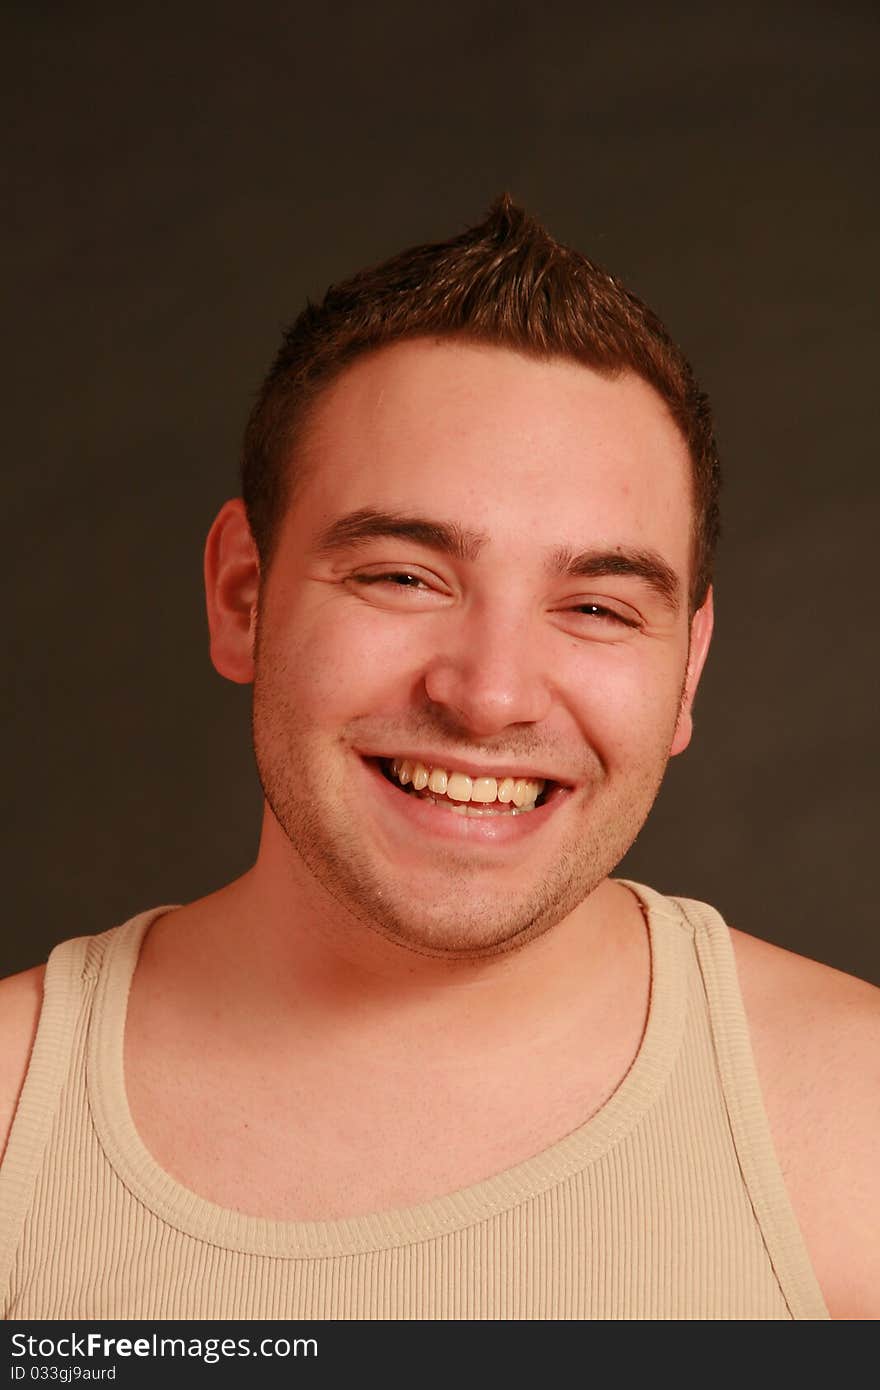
[20, 999]
[816, 1039]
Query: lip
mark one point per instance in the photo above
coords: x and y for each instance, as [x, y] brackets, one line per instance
[435, 821]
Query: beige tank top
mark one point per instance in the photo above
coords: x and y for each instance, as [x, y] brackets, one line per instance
[668, 1202]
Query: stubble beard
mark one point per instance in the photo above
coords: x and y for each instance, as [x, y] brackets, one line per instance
[467, 919]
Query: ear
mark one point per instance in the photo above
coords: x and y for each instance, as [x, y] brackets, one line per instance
[232, 587]
[702, 624]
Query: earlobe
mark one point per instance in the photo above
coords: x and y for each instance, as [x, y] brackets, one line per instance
[232, 586]
[702, 625]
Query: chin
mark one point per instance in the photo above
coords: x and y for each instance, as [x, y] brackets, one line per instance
[444, 930]
[453, 939]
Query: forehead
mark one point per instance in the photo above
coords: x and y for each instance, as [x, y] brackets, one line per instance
[530, 452]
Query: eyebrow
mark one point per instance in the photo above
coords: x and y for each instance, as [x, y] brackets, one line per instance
[357, 529]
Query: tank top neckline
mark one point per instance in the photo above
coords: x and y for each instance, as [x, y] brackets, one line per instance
[669, 938]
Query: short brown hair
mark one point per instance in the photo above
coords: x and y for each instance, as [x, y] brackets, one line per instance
[504, 282]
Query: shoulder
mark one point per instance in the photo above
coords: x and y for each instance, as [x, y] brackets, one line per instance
[816, 1038]
[21, 998]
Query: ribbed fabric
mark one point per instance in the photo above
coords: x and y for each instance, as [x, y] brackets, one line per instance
[667, 1203]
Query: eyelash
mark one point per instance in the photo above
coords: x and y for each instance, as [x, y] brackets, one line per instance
[606, 614]
[390, 574]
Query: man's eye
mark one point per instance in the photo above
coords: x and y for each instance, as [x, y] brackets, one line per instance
[400, 579]
[603, 614]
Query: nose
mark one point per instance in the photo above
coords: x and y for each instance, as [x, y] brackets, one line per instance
[490, 672]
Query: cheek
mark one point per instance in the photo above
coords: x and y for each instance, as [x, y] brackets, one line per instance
[338, 664]
[626, 699]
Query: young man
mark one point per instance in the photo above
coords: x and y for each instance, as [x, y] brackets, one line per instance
[427, 1058]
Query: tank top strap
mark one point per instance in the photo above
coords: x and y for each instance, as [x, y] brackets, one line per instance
[73, 974]
[64, 984]
[750, 1127]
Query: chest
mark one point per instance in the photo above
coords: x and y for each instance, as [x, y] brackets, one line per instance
[323, 1141]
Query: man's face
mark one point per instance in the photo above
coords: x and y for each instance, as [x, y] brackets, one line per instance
[508, 659]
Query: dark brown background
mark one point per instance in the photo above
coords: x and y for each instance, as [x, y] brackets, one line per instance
[181, 183]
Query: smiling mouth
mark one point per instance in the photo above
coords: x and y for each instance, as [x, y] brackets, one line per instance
[463, 795]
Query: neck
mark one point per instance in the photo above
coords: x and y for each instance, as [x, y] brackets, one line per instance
[275, 947]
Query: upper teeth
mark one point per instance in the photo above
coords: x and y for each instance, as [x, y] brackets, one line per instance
[459, 787]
